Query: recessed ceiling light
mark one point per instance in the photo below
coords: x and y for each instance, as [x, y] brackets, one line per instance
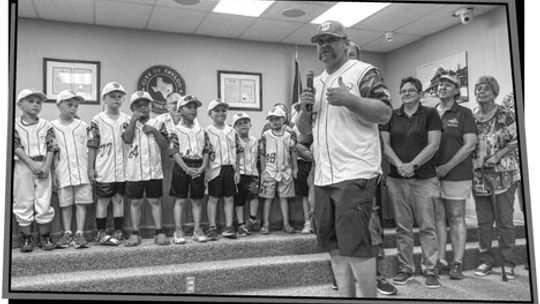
[188, 2]
[350, 13]
[293, 13]
[250, 8]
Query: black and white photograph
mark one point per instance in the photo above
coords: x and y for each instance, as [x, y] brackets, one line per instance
[361, 151]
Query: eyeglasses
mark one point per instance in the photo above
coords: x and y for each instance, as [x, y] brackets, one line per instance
[410, 91]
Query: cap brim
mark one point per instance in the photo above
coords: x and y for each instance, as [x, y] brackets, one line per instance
[449, 79]
[79, 98]
[226, 105]
[241, 118]
[41, 95]
[314, 38]
[141, 98]
[116, 90]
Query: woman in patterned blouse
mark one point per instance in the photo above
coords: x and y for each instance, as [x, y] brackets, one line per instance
[496, 156]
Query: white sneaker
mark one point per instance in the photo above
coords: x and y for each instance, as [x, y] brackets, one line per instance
[199, 236]
[179, 237]
[307, 228]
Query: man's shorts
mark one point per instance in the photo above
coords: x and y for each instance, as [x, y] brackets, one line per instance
[108, 190]
[342, 212]
[182, 184]
[223, 185]
[80, 194]
[285, 187]
[153, 189]
[248, 188]
[301, 186]
[456, 190]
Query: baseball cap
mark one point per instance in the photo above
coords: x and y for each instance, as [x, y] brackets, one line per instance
[187, 100]
[216, 102]
[238, 116]
[111, 87]
[138, 96]
[450, 76]
[68, 94]
[29, 92]
[330, 27]
[276, 111]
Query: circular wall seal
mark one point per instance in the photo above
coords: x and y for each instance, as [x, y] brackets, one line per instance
[160, 81]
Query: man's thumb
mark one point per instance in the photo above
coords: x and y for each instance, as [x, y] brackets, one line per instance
[340, 82]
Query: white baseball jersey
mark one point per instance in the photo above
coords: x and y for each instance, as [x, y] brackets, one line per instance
[167, 119]
[247, 156]
[143, 160]
[72, 160]
[105, 135]
[345, 146]
[222, 149]
[33, 138]
[191, 143]
[277, 150]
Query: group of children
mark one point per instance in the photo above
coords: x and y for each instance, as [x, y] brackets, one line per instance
[121, 156]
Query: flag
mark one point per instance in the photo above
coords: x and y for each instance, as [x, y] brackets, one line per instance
[297, 85]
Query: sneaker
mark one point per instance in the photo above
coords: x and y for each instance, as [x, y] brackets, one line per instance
[46, 243]
[212, 234]
[483, 270]
[510, 272]
[229, 232]
[402, 278]
[432, 280]
[64, 241]
[249, 226]
[179, 237]
[242, 231]
[79, 241]
[307, 228]
[199, 236]
[105, 239]
[134, 240]
[288, 229]
[265, 230]
[384, 287]
[27, 243]
[441, 268]
[161, 239]
[456, 271]
[334, 284]
[119, 236]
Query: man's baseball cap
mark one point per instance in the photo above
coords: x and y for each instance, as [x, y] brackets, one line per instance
[276, 111]
[450, 76]
[138, 96]
[330, 27]
[238, 116]
[111, 87]
[187, 100]
[68, 94]
[216, 102]
[29, 92]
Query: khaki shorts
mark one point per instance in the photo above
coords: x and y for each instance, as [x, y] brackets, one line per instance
[267, 189]
[81, 194]
[456, 190]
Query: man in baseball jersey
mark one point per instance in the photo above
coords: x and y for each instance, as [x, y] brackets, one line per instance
[70, 166]
[349, 101]
[34, 146]
[106, 157]
[145, 138]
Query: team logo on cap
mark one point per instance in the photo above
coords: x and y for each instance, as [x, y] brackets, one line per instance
[116, 85]
[325, 26]
[140, 93]
[160, 81]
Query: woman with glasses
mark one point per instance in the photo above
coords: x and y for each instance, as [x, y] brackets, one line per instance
[454, 170]
[410, 142]
[496, 159]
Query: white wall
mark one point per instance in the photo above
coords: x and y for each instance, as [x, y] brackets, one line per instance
[124, 54]
[486, 41]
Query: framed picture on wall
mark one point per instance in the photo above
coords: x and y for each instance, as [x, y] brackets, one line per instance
[241, 90]
[77, 75]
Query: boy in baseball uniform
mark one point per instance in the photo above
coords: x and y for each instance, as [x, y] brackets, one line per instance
[277, 149]
[248, 188]
[189, 148]
[106, 157]
[145, 137]
[70, 166]
[34, 147]
[221, 172]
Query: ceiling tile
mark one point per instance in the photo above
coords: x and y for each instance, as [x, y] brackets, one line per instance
[26, 9]
[224, 25]
[275, 10]
[432, 23]
[396, 16]
[302, 36]
[145, 2]
[383, 46]
[204, 5]
[270, 30]
[121, 14]
[78, 11]
[364, 37]
[175, 20]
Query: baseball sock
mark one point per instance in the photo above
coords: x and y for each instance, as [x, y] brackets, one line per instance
[118, 223]
[252, 218]
[100, 223]
[158, 231]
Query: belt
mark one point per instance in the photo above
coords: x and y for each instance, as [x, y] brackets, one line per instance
[38, 158]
